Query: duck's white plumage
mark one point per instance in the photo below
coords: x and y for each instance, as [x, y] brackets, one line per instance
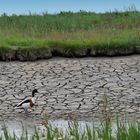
[26, 106]
[27, 103]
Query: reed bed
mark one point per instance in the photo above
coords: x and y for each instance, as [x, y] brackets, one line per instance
[67, 29]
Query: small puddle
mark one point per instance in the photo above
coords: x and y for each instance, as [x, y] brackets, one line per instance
[22, 122]
[16, 125]
[30, 122]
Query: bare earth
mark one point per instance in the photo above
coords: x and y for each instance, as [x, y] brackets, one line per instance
[72, 86]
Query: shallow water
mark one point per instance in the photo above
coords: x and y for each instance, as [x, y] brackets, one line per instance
[25, 122]
[17, 125]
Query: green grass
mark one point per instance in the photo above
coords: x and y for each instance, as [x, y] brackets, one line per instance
[70, 31]
[105, 131]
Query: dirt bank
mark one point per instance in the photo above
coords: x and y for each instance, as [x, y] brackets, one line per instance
[26, 54]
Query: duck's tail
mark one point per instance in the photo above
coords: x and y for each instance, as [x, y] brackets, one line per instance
[16, 106]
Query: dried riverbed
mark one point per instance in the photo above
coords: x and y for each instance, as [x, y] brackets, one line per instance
[71, 87]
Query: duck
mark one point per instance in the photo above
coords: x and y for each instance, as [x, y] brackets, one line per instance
[27, 103]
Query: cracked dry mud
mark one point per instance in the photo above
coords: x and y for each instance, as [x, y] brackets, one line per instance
[75, 86]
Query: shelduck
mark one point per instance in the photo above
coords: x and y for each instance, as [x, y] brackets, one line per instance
[28, 103]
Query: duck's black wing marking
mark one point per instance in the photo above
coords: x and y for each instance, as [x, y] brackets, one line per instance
[25, 101]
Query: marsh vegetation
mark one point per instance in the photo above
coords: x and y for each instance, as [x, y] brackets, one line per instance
[105, 131]
[69, 34]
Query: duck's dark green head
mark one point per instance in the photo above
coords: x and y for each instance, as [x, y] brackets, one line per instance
[34, 91]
